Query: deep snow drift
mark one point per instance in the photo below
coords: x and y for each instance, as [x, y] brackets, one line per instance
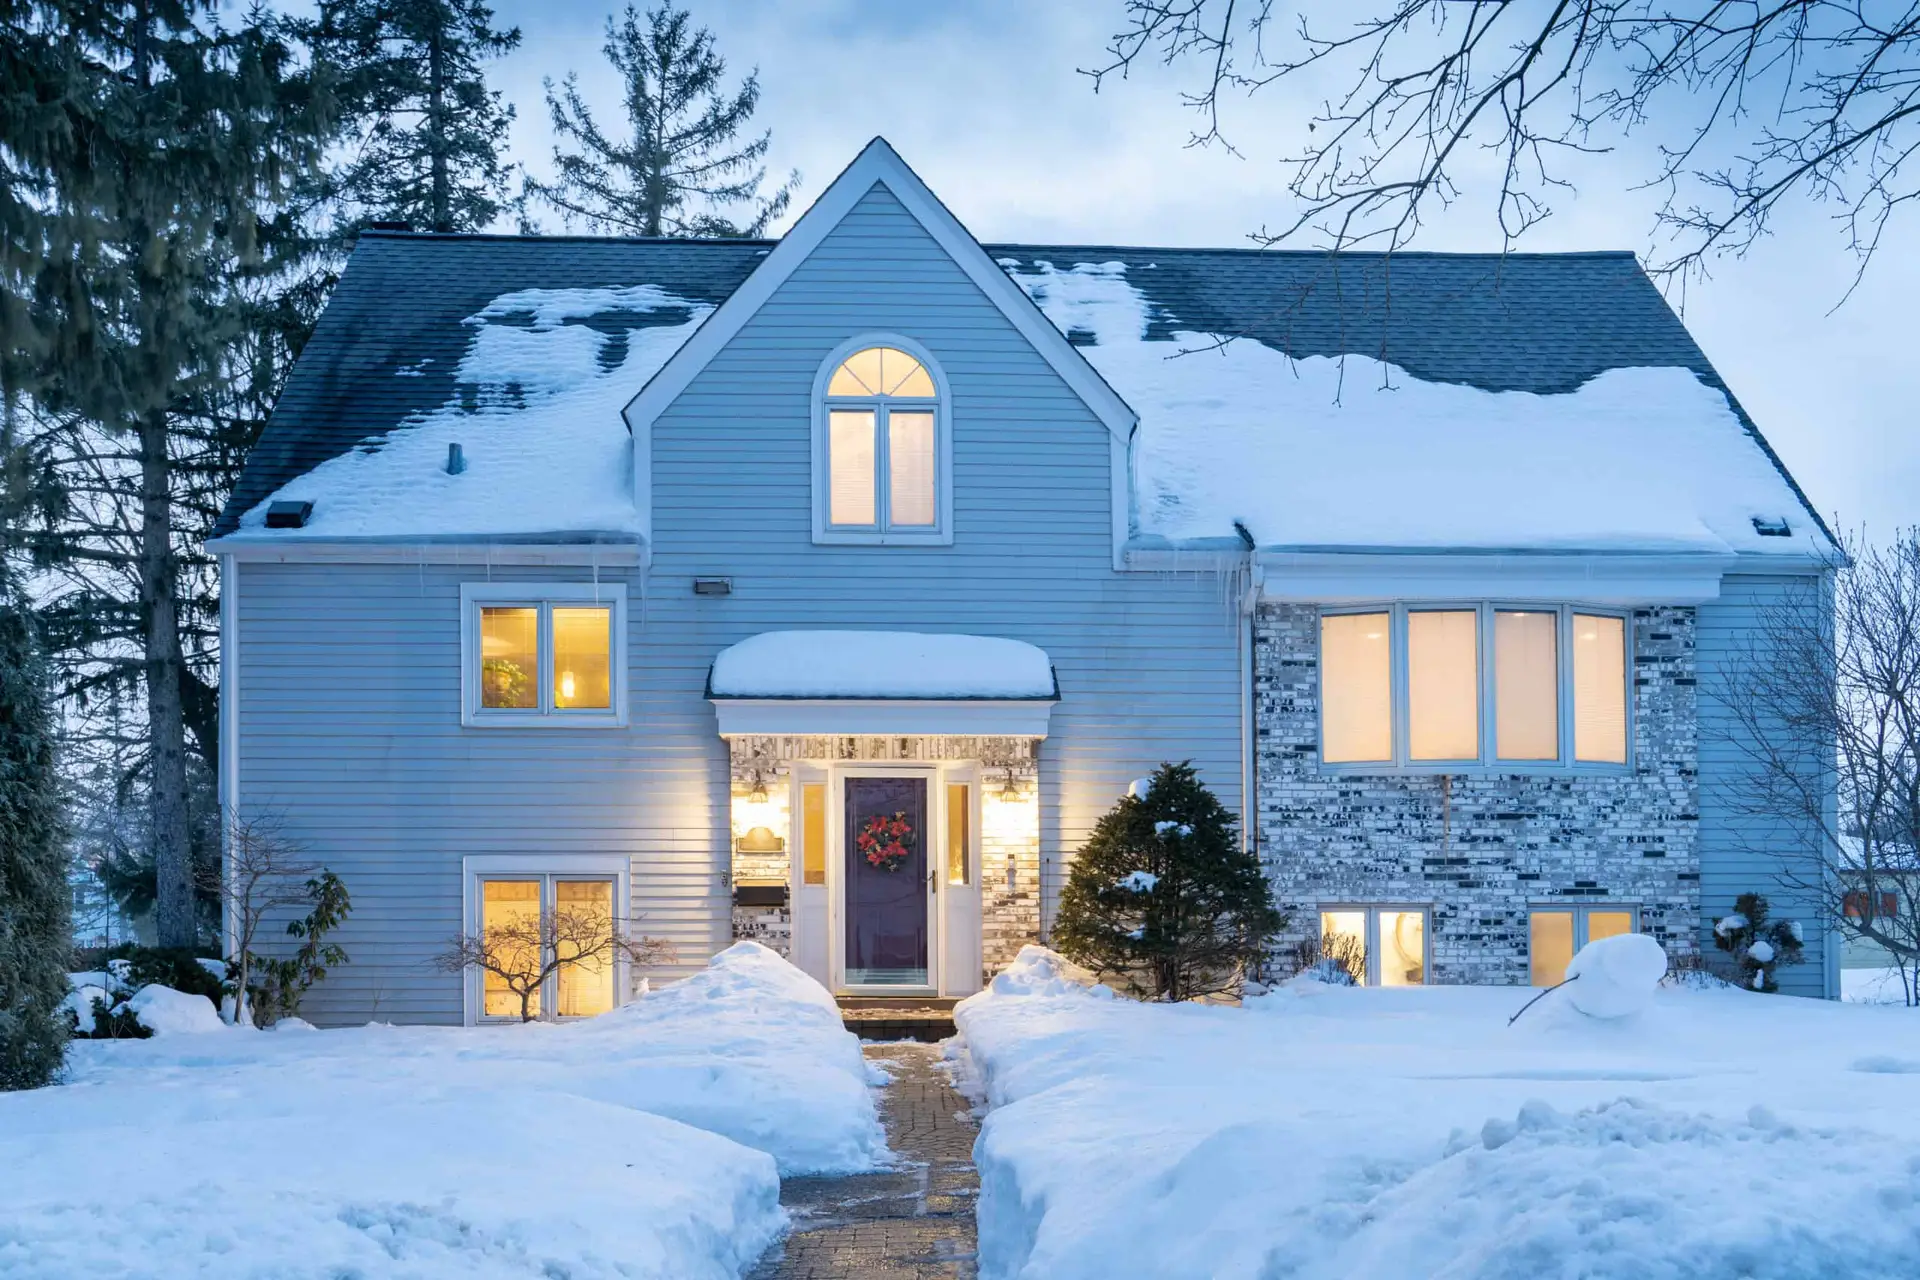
[1336, 1132]
[643, 1143]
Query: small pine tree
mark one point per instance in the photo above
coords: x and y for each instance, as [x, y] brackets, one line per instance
[34, 904]
[1759, 946]
[680, 172]
[430, 136]
[1163, 897]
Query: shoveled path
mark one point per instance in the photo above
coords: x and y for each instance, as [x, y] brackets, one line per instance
[911, 1222]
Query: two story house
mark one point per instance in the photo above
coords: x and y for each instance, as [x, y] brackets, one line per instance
[827, 590]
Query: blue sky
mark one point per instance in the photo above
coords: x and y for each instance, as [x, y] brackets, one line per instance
[986, 102]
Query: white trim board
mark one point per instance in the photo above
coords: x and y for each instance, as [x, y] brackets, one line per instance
[878, 164]
[478, 552]
[1611, 579]
[964, 717]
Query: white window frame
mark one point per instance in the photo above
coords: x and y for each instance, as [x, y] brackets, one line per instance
[827, 533]
[476, 869]
[1487, 763]
[1372, 912]
[543, 596]
[1581, 910]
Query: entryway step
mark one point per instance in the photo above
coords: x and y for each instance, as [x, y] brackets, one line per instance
[925, 1018]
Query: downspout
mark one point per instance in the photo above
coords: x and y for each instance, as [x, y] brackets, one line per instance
[1249, 766]
[229, 727]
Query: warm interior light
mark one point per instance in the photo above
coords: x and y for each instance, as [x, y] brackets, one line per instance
[566, 685]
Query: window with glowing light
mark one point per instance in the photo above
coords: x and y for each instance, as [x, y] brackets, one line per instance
[1446, 688]
[516, 911]
[881, 449]
[548, 655]
[1379, 946]
[1554, 934]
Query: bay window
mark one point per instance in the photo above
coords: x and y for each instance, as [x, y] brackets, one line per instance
[1445, 688]
[543, 655]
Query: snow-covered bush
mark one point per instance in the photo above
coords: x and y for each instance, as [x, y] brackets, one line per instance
[1337, 959]
[1163, 897]
[1617, 976]
[1758, 945]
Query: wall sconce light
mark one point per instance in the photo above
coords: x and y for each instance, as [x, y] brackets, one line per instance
[1009, 785]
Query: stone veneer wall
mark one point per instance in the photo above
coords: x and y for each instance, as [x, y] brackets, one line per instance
[1481, 849]
[1009, 839]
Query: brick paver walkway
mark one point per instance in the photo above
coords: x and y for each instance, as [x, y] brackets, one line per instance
[912, 1222]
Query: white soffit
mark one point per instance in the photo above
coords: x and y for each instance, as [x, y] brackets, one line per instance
[1347, 577]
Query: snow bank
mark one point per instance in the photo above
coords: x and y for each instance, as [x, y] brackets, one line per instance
[1615, 977]
[1323, 1132]
[459, 1184]
[167, 1012]
[881, 664]
[647, 1142]
[536, 409]
[1354, 452]
[749, 1047]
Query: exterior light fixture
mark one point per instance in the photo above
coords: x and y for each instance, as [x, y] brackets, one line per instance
[760, 840]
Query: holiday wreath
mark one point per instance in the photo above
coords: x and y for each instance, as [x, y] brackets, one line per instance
[886, 841]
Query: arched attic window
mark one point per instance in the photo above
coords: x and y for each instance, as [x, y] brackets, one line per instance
[881, 448]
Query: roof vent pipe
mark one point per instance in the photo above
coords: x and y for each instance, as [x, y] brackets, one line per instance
[456, 459]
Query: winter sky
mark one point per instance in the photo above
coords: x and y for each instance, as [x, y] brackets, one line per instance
[985, 101]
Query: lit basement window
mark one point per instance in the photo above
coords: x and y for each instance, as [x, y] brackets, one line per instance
[1554, 934]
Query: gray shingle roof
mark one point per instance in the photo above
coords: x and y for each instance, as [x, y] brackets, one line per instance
[1543, 323]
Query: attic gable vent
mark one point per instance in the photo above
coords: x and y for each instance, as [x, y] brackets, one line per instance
[289, 515]
[1772, 527]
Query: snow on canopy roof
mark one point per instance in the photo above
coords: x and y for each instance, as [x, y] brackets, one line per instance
[1346, 451]
[535, 408]
[880, 664]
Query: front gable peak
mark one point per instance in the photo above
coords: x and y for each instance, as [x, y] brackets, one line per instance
[879, 165]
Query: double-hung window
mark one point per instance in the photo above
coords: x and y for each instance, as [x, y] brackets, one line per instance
[1443, 687]
[547, 655]
[881, 450]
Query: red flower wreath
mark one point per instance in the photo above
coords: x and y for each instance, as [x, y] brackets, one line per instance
[886, 841]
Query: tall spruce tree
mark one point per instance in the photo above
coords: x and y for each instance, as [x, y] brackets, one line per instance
[34, 904]
[1163, 897]
[427, 135]
[178, 132]
[679, 172]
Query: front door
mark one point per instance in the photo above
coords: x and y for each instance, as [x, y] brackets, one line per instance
[886, 849]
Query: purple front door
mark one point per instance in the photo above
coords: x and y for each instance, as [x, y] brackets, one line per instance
[886, 882]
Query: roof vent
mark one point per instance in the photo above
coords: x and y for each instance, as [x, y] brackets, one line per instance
[1772, 527]
[456, 459]
[289, 515]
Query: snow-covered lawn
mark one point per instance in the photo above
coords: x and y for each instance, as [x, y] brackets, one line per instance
[1338, 1132]
[647, 1142]
[1872, 986]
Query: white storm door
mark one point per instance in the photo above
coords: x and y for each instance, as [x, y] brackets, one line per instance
[957, 883]
[807, 807]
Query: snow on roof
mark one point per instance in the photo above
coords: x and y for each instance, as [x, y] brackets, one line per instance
[536, 411]
[881, 664]
[1356, 453]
